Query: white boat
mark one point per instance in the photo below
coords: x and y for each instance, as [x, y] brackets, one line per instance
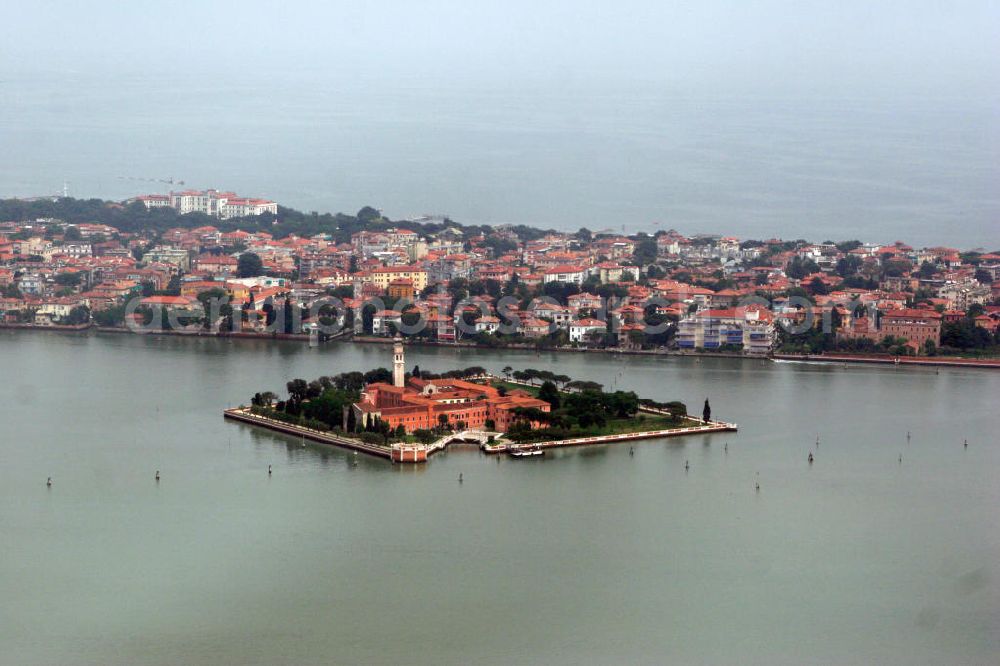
[527, 452]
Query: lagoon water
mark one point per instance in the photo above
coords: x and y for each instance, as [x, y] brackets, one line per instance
[880, 165]
[589, 556]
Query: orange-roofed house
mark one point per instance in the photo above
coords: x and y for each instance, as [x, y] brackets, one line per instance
[192, 288]
[169, 301]
[583, 330]
[401, 288]
[532, 327]
[216, 264]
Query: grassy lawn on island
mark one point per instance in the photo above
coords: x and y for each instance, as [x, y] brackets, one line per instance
[511, 386]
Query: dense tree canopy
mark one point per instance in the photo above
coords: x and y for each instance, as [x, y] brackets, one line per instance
[645, 251]
[550, 394]
[965, 335]
[134, 217]
[798, 268]
[250, 265]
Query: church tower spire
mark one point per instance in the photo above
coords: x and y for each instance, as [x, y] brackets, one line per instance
[398, 363]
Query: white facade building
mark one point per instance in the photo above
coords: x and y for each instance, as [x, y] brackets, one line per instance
[570, 274]
[224, 205]
[581, 329]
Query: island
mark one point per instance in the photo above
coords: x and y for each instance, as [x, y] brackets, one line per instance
[407, 417]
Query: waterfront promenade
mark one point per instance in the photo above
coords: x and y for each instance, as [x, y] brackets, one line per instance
[831, 357]
[952, 361]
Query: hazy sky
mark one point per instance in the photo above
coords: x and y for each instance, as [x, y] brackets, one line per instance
[914, 45]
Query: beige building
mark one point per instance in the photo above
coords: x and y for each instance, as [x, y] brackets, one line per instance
[381, 277]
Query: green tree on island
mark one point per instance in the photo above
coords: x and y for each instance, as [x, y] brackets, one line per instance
[706, 414]
[550, 394]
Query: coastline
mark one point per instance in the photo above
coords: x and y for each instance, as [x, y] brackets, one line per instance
[945, 361]
[244, 416]
[417, 453]
[293, 337]
[953, 361]
[78, 328]
[931, 361]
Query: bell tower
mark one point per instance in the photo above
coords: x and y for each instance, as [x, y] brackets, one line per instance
[398, 363]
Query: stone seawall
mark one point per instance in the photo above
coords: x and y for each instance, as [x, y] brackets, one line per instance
[246, 416]
[947, 361]
[419, 453]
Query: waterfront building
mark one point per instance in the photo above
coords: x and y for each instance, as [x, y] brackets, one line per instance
[54, 309]
[759, 334]
[582, 329]
[426, 403]
[384, 322]
[748, 329]
[916, 325]
[442, 327]
[487, 324]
